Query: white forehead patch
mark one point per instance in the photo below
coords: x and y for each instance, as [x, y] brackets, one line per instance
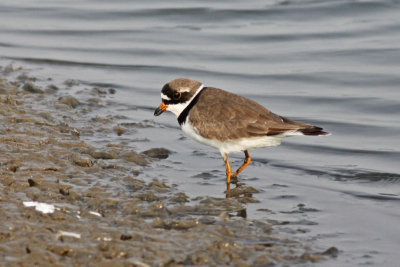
[165, 97]
[184, 89]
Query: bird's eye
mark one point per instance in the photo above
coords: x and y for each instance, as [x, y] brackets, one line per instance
[176, 95]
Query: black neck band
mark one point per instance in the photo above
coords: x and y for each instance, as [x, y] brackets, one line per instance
[182, 117]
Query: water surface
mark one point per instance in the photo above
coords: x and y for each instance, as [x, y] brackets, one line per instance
[330, 63]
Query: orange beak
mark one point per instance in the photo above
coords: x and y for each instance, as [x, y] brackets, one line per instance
[160, 109]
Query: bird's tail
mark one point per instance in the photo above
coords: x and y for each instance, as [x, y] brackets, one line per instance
[313, 130]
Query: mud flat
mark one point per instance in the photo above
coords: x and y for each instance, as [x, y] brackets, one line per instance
[65, 201]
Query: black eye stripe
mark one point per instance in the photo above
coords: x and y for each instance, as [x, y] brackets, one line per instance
[184, 97]
[169, 93]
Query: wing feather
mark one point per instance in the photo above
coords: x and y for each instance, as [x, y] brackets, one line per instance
[225, 116]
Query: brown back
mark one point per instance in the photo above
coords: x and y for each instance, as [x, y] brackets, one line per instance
[225, 116]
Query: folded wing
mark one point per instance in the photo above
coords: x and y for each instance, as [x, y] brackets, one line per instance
[226, 116]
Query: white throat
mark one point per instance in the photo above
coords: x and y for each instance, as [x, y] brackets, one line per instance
[178, 108]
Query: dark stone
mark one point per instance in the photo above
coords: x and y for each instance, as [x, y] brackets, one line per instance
[69, 101]
[125, 237]
[332, 251]
[157, 153]
[31, 88]
[31, 182]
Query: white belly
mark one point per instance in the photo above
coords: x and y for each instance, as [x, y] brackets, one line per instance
[233, 145]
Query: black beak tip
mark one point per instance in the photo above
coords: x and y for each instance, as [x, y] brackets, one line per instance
[158, 112]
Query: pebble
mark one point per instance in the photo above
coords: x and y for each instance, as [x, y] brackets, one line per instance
[31, 88]
[157, 153]
[103, 155]
[332, 251]
[69, 101]
[134, 157]
[82, 161]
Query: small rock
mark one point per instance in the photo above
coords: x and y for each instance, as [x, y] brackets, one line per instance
[135, 158]
[13, 168]
[50, 169]
[82, 161]
[31, 88]
[98, 91]
[51, 89]
[75, 132]
[103, 155]
[156, 184]
[23, 78]
[184, 224]
[158, 153]
[101, 120]
[31, 182]
[332, 251]
[64, 192]
[180, 198]
[125, 237]
[69, 101]
[111, 91]
[149, 197]
[246, 191]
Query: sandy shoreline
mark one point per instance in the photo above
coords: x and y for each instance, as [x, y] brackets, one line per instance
[102, 215]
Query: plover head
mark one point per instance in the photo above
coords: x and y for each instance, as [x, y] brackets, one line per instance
[177, 95]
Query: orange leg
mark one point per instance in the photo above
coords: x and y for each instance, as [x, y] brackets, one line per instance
[228, 175]
[247, 161]
[228, 169]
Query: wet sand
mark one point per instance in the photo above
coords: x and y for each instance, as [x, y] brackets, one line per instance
[98, 213]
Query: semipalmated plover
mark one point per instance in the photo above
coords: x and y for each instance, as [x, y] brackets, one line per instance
[229, 122]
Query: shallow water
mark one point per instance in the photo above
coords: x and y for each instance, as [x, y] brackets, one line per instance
[330, 63]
